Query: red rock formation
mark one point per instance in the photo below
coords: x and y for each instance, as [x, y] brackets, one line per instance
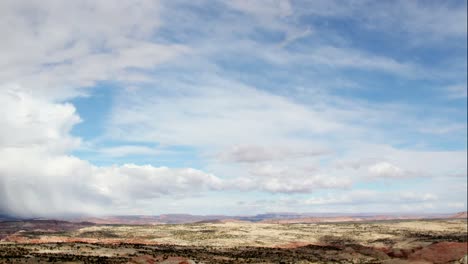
[461, 215]
[442, 252]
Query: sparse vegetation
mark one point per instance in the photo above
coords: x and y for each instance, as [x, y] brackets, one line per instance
[374, 242]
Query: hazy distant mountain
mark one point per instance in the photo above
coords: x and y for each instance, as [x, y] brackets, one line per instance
[460, 215]
[6, 217]
[264, 218]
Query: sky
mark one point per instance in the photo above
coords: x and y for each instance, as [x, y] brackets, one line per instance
[232, 107]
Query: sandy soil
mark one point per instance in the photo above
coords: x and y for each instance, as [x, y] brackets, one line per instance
[402, 241]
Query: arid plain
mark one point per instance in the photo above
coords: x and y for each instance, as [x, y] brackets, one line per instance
[234, 241]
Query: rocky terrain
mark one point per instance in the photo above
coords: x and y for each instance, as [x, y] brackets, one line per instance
[461, 215]
[390, 241]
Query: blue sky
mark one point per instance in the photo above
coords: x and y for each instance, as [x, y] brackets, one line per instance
[148, 107]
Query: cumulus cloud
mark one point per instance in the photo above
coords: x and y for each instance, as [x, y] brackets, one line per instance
[252, 126]
[291, 178]
[145, 182]
[29, 122]
[38, 183]
[39, 177]
[41, 184]
[264, 128]
[35, 172]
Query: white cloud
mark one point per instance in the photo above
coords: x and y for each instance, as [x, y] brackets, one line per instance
[443, 128]
[456, 205]
[458, 91]
[372, 197]
[269, 8]
[356, 201]
[220, 114]
[261, 141]
[235, 123]
[146, 182]
[50, 184]
[350, 58]
[39, 177]
[256, 153]
[435, 21]
[438, 20]
[40, 183]
[289, 177]
[270, 14]
[58, 48]
[127, 150]
[29, 122]
[383, 161]
[386, 170]
[36, 174]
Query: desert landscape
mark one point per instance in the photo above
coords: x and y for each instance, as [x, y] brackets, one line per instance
[294, 240]
[233, 131]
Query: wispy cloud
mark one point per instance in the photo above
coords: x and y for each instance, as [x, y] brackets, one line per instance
[127, 150]
[307, 100]
[457, 91]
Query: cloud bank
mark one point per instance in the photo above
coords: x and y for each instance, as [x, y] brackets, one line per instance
[260, 105]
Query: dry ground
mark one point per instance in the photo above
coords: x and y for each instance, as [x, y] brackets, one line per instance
[419, 241]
